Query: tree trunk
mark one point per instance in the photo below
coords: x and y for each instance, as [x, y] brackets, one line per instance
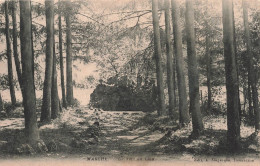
[69, 56]
[250, 107]
[170, 79]
[233, 120]
[183, 104]
[46, 101]
[15, 46]
[9, 56]
[174, 80]
[1, 103]
[29, 101]
[158, 55]
[208, 58]
[251, 74]
[64, 102]
[193, 71]
[32, 49]
[55, 102]
[235, 45]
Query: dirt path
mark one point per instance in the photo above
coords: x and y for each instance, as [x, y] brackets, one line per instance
[120, 135]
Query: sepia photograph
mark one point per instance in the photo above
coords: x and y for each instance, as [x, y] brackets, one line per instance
[129, 82]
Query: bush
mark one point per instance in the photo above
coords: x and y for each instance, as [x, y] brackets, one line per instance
[123, 95]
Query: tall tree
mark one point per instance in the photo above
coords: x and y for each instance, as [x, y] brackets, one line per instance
[32, 48]
[183, 108]
[15, 46]
[233, 120]
[170, 75]
[158, 55]
[55, 102]
[193, 70]
[46, 101]
[69, 84]
[29, 100]
[9, 56]
[251, 75]
[235, 45]
[208, 59]
[64, 102]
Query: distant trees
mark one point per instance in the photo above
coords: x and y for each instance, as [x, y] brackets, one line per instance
[9, 55]
[233, 120]
[252, 80]
[158, 54]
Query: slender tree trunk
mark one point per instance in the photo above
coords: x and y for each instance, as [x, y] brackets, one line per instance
[15, 46]
[29, 101]
[64, 102]
[70, 98]
[193, 70]
[183, 104]
[251, 75]
[174, 81]
[55, 102]
[46, 101]
[32, 49]
[245, 100]
[208, 58]
[250, 107]
[1, 103]
[233, 119]
[9, 56]
[158, 55]
[170, 79]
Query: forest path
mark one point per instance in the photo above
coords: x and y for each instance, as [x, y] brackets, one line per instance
[121, 135]
[127, 135]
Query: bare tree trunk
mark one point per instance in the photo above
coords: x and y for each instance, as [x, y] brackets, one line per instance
[174, 80]
[250, 107]
[183, 104]
[170, 74]
[32, 49]
[55, 102]
[235, 45]
[46, 101]
[15, 46]
[158, 54]
[208, 58]
[64, 102]
[29, 101]
[233, 119]
[1, 103]
[193, 71]
[251, 74]
[70, 98]
[9, 56]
